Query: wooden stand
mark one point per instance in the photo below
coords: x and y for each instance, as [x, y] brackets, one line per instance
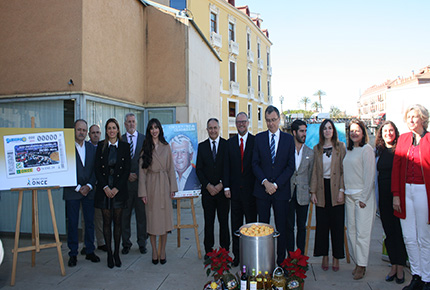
[194, 226]
[36, 246]
[309, 227]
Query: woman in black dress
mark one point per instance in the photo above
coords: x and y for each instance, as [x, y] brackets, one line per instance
[385, 145]
[112, 171]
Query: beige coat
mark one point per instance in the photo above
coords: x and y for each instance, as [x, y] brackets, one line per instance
[336, 175]
[156, 183]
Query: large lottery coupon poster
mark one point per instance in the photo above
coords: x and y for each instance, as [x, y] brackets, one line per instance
[37, 158]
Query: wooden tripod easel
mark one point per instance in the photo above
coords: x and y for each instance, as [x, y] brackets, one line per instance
[36, 246]
[194, 225]
[309, 227]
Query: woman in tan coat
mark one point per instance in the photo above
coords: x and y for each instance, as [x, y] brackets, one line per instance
[157, 185]
[327, 193]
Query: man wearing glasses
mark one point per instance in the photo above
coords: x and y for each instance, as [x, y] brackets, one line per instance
[273, 164]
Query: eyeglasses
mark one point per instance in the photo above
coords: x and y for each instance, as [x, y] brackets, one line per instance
[272, 120]
[241, 122]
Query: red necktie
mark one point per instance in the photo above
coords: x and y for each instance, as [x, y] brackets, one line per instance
[241, 154]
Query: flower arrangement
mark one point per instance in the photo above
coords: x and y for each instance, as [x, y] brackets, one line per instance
[296, 266]
[219, 262]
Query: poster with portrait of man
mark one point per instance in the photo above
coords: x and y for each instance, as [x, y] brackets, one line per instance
[183, 141]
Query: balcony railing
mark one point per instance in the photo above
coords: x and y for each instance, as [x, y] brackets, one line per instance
[234, 88]
[261, 96]
[216, 39]
[269, 70]
[233, 47]
[260, 63]
[251, 93]
[250, 56]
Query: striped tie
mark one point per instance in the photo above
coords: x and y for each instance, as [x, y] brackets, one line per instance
[272, 148]
[214, 150]
[131, 147]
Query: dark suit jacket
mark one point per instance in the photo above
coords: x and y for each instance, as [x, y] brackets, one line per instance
[84, 175]
[279, 172]
[121, 171]
[234, 178]
[192, 182]
[209, 171]
[134, 163]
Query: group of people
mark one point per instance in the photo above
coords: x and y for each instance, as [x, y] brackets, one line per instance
[246, 176]
[115, 176]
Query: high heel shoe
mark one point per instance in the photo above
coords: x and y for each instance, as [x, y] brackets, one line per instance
[155, 262]
[110, 263]
[390, 278]
[163, 261]
[117, 260]
[402, 280]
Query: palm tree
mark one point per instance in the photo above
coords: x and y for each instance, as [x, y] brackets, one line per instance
[305, 101]
[315, 106]
[320, 93]
[335, 112]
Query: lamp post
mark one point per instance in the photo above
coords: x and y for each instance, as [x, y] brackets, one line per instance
[281, 99]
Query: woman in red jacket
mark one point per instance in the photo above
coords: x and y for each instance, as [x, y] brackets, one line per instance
[410, 184]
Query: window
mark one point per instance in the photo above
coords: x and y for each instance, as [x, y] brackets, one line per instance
[248, 41]
[259, 112]
[258, 50]
[268, 58]
[268, 89]
[232, 71]
[250, 111]
[214, 19]
[249, 78]
[259, 83]
[232, 109]
[231, 36]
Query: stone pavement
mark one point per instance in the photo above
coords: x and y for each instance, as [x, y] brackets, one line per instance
[183, 269]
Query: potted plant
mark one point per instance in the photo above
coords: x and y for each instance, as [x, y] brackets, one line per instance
[219, 263]
[296, 266]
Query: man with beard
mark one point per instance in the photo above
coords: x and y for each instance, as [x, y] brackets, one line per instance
[300, 185]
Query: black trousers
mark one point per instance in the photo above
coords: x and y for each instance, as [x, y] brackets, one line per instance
[136, 203]
[330, 220]
[393, 231]
[280, 209]
[240, 208]
[301, 212]
[216, 205]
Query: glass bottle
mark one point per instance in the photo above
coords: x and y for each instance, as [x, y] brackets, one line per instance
[252, 281]
[244, 279]
[260, 283]
[267, 281]
[278, 280]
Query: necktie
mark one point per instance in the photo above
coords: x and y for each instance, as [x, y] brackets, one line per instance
[131, 147]
[241, 154]
[214, 150]
[272, 148]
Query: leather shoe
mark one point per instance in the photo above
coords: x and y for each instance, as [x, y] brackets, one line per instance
[72, 261]
[102, 248]
[390, 278]
[92, 257]
[359, 273]
[163, 261]
[155, 262]
[83, 251]
[416, 283]
[125, 250]
[143, 250]
[235, 262]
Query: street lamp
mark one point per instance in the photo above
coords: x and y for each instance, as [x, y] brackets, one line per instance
[281, 99]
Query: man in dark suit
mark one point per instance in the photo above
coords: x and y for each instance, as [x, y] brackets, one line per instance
[273, 165]
[300, 186]
[239, 179]
[210, 166]
[82, 194]
[183, 152]
[135, 139]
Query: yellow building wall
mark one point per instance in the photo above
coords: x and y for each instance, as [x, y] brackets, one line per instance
[200, 10]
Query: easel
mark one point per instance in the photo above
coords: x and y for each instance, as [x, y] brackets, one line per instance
[36, 246]
[194, 226]
[309, 227]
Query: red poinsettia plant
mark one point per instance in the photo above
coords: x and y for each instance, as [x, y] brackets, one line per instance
[296, 265]
[219, 261]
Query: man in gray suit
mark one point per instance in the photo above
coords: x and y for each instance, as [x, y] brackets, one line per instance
[135, 139]
[300, 184]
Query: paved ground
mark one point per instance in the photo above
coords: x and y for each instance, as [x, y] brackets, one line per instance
[183, 269]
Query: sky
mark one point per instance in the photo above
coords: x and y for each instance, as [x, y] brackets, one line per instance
[341, 47]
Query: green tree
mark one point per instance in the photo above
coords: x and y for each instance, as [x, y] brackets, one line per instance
[320, 93]
[315, 106]
[305, 101]
[335, 112]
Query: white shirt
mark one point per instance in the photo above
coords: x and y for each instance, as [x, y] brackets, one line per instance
[244, 137]
[114, 144]
[134, 137]
[181, 182]
[216, 143]
[298, 157]
[277, 136]
[82, 154]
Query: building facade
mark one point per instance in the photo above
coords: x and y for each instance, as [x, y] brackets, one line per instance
[244, 47]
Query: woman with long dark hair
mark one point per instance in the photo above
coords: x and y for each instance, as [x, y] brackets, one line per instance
[410, 184]
[327, 193]
[112, 168]
[385, 146]
[157, 185]
[359, 177]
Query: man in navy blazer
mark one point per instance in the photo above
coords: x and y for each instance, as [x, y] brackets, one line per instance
[239, 179]
[82, 194]
[273, 165]
[135, 139]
